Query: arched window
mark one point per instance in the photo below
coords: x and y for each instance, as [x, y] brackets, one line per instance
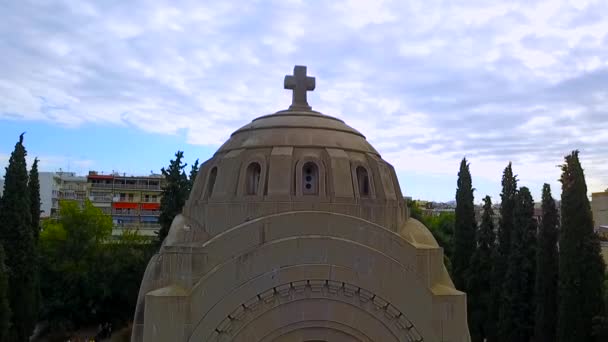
[252, 182]
[363, 182]
[212, 177]
[310, 179]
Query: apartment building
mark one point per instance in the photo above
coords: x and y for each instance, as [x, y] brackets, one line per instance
[132, 201]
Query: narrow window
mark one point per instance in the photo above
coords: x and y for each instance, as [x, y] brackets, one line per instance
[253, 178]
[310, 179]
[363, 181]
[212, 176]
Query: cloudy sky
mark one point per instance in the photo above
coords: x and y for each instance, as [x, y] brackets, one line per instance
[122, 85]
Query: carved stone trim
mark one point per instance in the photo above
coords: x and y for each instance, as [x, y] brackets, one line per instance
[316, 289]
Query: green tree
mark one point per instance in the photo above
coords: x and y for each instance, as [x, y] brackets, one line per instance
[415, 211]
[480, 276]
[5, 310]
[33, 188]
[464, 227]
[442, 228]
[547, 267]
[174, 194]
[73, 280]
[122, 261]
[505, 226]
[89, 276]
[193, 173]
[581, 268]
[18, 241]
[34, 193]
[517, 314]
[600, 323]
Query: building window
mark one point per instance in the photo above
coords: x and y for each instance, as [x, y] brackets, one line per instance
[310, 179]
[252, 184]
[363, 181]
[211, 184]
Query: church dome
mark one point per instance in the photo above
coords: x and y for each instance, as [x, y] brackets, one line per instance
[296, 230]
[298, 128]
[295, 160]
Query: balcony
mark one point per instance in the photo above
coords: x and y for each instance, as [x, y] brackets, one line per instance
[150, 212]
[125, 212]
[137, 186]
[100, 198]
[101, 185]
[126, 199]
[73, 187]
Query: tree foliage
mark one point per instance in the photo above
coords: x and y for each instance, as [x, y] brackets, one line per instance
[70, 248]
[581, 268]
[517, 314]
[33, 188]
[89, 277]
[480, 277]
[505, 226]
[18, 241]
[5, 310]
[547, 267]
[442, 228]
[193, 172]
[174, 194]
[464, 227]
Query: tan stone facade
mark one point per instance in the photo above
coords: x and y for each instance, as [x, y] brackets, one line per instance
[296, 230]
[599, 207]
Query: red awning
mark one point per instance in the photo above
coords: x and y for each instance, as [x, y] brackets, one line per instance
[150, 206]
[125, 205]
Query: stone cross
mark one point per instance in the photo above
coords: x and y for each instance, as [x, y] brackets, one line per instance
[300, 84]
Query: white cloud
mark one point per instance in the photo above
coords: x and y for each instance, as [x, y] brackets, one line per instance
[426, 81]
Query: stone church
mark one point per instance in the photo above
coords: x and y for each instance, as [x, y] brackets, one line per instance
[297, 230]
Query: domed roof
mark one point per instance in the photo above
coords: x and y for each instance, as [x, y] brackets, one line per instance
[296, 159]
[298, 126]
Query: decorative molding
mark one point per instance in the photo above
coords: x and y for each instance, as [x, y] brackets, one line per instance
[267, 300]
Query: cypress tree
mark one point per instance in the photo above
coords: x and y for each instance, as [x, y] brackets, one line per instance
[547, 267]
[464, 227]
[174, 194]
[17, 239]
[34, 193]
[581, 268]
[5, 311]
[507, 206]
[505, 226]
[193, 173]
[517, 311]
[480, 276]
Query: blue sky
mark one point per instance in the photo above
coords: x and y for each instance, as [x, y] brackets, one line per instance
[117, 85]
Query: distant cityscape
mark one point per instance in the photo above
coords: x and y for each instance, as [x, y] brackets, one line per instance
[132, 201]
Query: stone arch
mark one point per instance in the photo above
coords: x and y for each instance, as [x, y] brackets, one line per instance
[310, 179]
[268, 252]
[317, 168]
[252, 178]
[316, 330]
[210, 182]
[363, 180]
[343, 307]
